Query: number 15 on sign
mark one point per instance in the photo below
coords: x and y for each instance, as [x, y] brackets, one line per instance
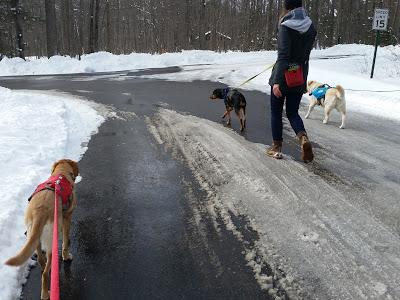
[380, 19]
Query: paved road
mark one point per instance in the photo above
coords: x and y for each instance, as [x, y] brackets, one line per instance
[134, 233]
[137, 233]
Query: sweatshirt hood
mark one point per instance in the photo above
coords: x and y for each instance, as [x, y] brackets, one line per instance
[297, 19]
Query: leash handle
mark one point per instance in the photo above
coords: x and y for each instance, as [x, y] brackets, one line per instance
[55, 274]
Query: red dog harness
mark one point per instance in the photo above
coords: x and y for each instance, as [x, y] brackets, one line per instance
[59, 183]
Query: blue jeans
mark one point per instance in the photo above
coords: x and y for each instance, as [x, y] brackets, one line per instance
[292, 112]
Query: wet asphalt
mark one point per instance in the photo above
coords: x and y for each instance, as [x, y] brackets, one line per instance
[134, 232]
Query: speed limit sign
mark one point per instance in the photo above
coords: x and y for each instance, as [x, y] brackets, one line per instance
[380, 19]
[380, 24]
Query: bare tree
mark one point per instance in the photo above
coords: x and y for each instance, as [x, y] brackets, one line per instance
[123, 26]
[17, 11]
[51, 28]
[67, 36]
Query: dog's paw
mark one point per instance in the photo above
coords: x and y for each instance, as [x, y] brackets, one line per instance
[325, 121]
[67, 257]
[342, 127]
[307, 116]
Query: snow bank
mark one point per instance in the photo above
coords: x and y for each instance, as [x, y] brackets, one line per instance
[36, 129]
[348, 65]
[318, 241]
[358, 60]
[105, 62]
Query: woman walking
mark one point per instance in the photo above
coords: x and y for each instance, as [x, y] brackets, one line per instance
[289, 76]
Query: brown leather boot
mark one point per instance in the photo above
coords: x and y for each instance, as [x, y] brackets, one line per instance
[275, 150]
[307, 154]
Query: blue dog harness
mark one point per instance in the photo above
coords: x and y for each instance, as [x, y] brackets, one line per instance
[319, 92]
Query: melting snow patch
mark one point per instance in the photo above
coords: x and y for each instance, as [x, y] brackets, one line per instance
[309, 237]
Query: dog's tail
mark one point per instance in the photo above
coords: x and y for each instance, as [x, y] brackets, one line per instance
[340, 92]
[29, 247]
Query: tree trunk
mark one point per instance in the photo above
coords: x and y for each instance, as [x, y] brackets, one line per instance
[67, 26]
[91, 26]
[202, 27]
[81, 28]
[16, 9]
[332, 23]
[108, 27]
[396, 28]
[96, 26]
[51, 28]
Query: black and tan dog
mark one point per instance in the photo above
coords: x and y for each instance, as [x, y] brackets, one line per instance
[234, 100]
[39, 219]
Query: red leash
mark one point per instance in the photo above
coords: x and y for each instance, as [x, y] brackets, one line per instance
[55, 275]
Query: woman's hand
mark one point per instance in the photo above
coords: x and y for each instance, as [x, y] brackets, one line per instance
[277, 91]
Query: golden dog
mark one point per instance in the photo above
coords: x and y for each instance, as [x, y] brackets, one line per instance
[334, 98]
[39, 219]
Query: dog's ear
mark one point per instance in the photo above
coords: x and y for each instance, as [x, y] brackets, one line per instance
[74, 166]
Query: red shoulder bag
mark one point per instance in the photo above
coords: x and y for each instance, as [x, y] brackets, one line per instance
[294, 76]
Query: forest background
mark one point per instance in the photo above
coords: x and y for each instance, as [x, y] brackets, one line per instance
[76, 27]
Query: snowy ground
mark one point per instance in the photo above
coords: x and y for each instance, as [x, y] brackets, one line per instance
[325, 236]
[36, 129]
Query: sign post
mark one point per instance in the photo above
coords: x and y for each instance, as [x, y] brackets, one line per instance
[380, 24]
